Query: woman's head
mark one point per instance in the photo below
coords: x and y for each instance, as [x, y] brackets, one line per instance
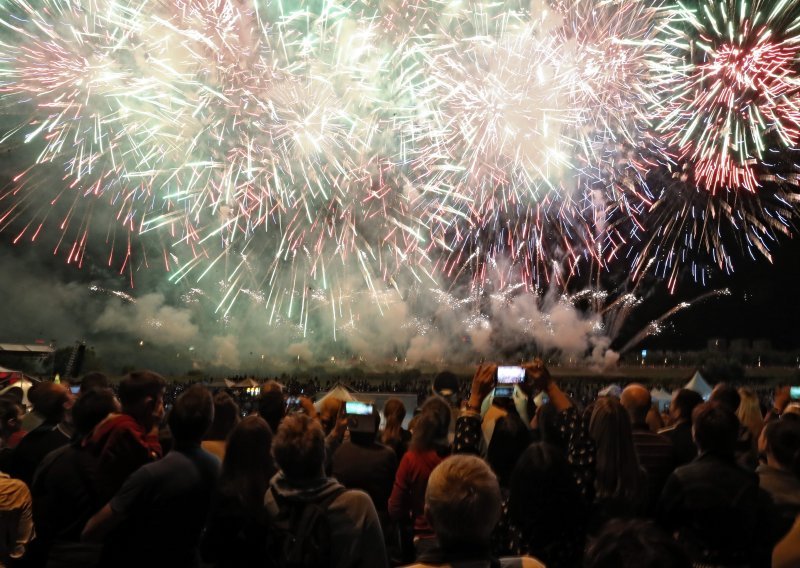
[617, 467]
[394, 411]
[749, 411]
[226, 416]
[509, 440]
[432, 425]
[248, 460]
[544, 500]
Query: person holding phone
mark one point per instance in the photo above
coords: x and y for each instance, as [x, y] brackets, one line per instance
[361, 462]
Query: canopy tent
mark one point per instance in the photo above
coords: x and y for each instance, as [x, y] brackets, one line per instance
[247, 383]
[661, 397]
[10, 379]
[611, 390]
[699, 385]
[339, 392]
[9, 374]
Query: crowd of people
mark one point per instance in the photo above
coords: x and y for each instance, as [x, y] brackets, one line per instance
[147, 475]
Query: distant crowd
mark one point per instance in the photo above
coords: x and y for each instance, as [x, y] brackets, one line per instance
[481, 474]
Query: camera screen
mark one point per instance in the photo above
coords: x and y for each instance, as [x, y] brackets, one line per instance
[504, 392]
[359, 408]
[794, 393]
[510, 375]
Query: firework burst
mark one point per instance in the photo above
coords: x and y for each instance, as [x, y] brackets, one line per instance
[727, 88]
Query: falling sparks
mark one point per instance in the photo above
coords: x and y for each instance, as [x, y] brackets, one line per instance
[283, 152]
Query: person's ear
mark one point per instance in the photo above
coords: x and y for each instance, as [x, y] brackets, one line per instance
[149, 403]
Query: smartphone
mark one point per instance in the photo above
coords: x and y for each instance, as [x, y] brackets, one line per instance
[504, 392]
[75, 389]
[510, 375]
[356, 408]
[292, 401]
[794, 393]
[360, 417]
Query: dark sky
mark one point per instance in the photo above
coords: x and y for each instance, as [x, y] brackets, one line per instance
[763, 304]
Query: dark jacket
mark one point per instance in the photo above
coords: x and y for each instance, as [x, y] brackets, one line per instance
[64, 499]
[369, 467]
[713, 505]
[783, 487]
[656, 456]
[683, 445]
[33, 448]
[356, 536]
[236, 534]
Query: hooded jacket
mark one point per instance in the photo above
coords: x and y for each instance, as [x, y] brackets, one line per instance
[356, 535]
[121, 446]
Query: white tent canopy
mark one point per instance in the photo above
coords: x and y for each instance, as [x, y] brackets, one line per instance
[661, 397]
[699, 385]
[242, 384]
[339, 392]
[613, 390]
[24, 383]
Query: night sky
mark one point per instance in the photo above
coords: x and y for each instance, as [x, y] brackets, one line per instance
[762, 305]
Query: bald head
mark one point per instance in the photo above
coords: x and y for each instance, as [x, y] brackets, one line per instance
[636, 400]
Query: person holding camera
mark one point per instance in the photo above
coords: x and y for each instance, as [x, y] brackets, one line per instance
[362, 463]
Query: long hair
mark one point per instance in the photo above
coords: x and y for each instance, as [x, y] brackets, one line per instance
[617, 468]
[749, 412]
[248, 465]
[394, 411]
[546, 504]
[432, 425]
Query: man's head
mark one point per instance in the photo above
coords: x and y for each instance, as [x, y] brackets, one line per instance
[715, 428]
[683, 403]
[462, 502]
[272, 407]
[727, 395]
[142, 396]
[636, 400]
[191, 416]
[52, 401]
[783, 444]
[299, 448]
[91, 408]
[94, 380]
[364, 436]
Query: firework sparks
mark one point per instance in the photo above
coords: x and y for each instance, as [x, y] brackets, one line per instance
[728, 88]
[276, 153]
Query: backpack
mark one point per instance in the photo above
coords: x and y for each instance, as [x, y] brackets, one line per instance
[300, 534]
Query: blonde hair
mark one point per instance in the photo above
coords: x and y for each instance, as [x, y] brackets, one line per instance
[749, 412]
[463, 501]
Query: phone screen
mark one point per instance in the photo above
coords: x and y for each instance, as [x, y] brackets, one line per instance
[794, 393]
[75, 389]
[510, 375]
[358, 408]
[503, 392]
